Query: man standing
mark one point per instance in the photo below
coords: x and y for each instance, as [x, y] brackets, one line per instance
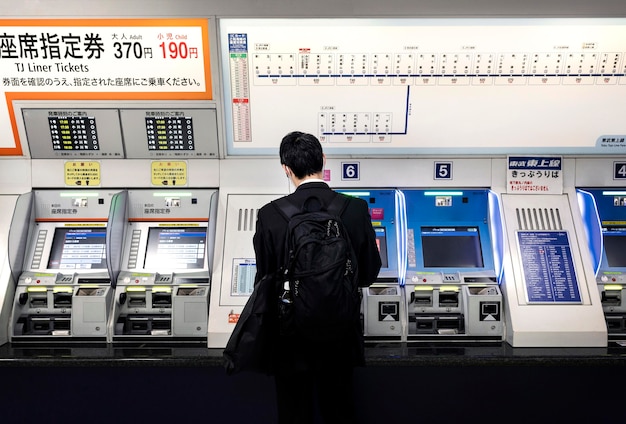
[308, 373]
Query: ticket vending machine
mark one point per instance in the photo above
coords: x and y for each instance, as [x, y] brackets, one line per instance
[604, 215]
[163, 288]
[235, 261]
[235, 264]
[453, 267]
[383, 303]
[64, 290]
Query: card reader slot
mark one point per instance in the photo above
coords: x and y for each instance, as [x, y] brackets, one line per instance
[422, 299]
[137, 300]
[38, 301]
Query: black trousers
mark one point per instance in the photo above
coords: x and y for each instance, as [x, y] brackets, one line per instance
[315, 391]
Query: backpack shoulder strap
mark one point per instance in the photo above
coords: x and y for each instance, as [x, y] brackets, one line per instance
[338, 204]
[285, 207]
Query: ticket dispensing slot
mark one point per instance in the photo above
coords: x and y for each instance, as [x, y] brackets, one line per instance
[450, 260]
[383, 302]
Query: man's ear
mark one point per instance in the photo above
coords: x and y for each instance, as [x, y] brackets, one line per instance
[324, 157]
[287, 170]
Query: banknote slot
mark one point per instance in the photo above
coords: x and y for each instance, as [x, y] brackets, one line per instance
[62, 300]
[448, 299]
[161, 300]
[611, 297]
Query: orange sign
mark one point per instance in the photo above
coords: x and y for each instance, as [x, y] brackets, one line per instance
[100, 59]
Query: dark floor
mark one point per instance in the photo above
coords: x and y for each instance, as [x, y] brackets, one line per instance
[427, 384]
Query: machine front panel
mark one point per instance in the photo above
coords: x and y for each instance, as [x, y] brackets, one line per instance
[162, 292]
[452, 287]
[64, 291]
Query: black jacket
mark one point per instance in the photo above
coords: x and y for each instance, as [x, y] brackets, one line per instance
[269, 246]
[271, 227]
[255, 344]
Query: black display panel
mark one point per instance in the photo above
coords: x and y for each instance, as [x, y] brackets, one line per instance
[170, 133]
[381, 241]
[175, 248]
[73, 133]
[451, 247]
[78, 248]
[615, 247]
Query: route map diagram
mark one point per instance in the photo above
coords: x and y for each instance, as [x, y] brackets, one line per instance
[426, 86]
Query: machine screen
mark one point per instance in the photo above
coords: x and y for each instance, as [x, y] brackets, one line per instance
[74, 133]
[451, 247]
[381, 241]
[170, 133]
[176, 248]
[78, 248]
[614, 246]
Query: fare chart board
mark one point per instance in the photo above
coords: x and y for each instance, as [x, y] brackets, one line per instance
[421, 86]
[549, 273]
[65, 60]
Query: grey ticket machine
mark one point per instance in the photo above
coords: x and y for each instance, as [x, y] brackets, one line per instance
[383, 305]
[452, 286]
[64, 289]
[604, 215]
[163, 288]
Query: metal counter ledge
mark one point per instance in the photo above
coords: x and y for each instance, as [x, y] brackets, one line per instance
[394, 354]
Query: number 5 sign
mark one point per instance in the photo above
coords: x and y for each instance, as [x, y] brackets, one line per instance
[443, 170]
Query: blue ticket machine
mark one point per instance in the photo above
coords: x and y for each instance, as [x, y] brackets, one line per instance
[452, 275]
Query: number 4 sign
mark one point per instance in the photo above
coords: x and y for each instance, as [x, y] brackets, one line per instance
[619, 170]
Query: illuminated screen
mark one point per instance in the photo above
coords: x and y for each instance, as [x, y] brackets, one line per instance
[451, 247]
[176, 248]
[615, 246]
[73, 133]
[381, 242]
[170, 133]
[78, 248]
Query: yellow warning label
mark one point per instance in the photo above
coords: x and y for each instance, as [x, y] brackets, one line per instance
[82, 173]
[169, 173]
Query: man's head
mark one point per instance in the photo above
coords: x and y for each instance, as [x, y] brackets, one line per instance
[302, 153]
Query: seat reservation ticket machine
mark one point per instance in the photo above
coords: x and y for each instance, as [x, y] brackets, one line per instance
[452, 286]
[604, 215]
[383, 302]
[64, 289]
[163, 288]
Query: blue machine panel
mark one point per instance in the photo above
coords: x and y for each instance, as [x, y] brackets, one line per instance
[604, 215]
[382, 206]
[449, 231]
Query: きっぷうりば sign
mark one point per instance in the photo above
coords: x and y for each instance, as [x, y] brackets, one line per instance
[534, 175]
[100, 59]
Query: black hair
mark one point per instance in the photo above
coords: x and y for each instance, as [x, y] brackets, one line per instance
[302, 153]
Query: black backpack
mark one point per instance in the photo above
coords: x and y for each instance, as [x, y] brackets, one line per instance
[319, 295]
